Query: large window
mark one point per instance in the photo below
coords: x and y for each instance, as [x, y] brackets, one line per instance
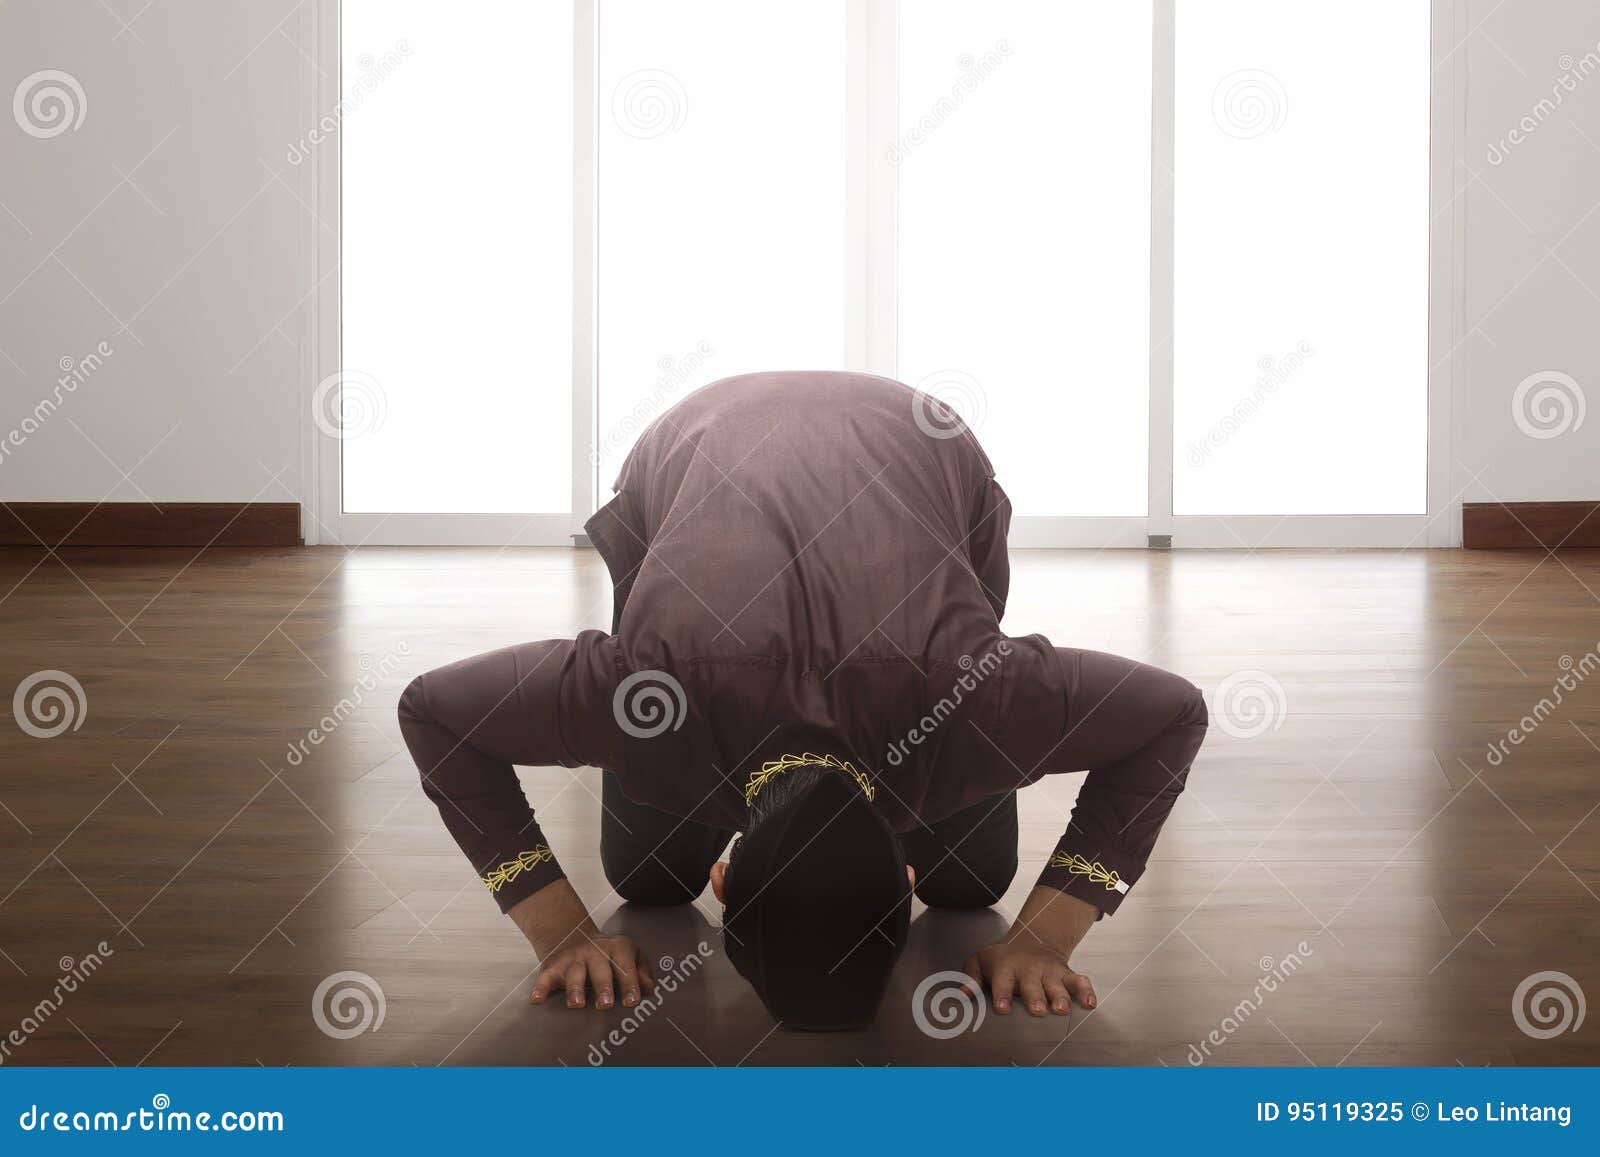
[1301, 303]
[1168, 260]
[721, 200]
[456, 388]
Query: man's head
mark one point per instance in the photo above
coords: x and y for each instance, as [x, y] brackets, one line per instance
[817, 898]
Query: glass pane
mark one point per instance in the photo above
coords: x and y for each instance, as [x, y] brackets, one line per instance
[457, 229]
[722, 200]
[1301, 301]
[1024, 167]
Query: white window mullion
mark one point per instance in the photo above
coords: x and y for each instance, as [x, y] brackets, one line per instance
[585, 322]
[1162, 185]
[871, 114]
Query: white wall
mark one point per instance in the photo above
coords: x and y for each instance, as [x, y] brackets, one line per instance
[1532, 272]
[188, 252]
[158, 227]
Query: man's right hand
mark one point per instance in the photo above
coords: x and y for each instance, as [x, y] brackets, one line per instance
[608, 964]
[574, 956]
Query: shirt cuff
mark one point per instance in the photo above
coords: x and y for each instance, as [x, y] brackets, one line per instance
[513, 880]
[1097, 874]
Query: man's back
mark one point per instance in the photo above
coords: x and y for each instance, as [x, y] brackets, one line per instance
[804, 515]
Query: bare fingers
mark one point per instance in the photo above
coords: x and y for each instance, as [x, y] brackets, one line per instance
[1082, 991]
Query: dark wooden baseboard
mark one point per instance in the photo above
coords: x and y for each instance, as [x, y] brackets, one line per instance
[146, 524]
[1514, 525]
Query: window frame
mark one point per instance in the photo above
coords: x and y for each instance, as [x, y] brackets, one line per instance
[872, 62]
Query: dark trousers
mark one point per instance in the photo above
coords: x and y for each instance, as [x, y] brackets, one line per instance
[650, 857]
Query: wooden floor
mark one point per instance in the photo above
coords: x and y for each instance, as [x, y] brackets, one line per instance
[1364, 838]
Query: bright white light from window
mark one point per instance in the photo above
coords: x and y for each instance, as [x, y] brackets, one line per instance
[1302, 258]
[457, 255]
[1024, 162]
[722, 199]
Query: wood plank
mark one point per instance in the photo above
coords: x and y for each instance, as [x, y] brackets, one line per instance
[60, 524]
[1529, 525]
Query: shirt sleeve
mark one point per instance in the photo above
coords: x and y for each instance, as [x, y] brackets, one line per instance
[986, 545]
[469, 723]
[1136, 729]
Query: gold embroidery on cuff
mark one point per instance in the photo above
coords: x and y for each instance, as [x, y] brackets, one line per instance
[1097, 872]
[774, 767]
[511, 869]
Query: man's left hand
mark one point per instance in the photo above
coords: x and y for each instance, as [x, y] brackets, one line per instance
[1042, 979]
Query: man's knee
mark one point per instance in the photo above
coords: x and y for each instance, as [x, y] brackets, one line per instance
[651, 883]
[965, 887]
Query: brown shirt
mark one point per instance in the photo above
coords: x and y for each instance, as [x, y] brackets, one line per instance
[804, 558]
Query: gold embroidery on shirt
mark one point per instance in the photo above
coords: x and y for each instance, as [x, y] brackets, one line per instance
[511, 869]
[773, 767]
[1097, 872]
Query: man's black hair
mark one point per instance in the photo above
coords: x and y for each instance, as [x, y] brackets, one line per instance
[817, 903]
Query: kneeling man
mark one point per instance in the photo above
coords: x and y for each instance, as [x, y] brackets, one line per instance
[809, 571]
